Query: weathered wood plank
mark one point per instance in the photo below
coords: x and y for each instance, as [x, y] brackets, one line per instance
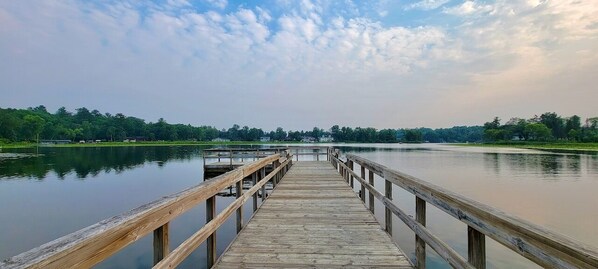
[161, 243]
[313, 219]
[546, 248]
[91, 245]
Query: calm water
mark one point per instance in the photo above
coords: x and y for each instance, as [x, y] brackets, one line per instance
[61, 190]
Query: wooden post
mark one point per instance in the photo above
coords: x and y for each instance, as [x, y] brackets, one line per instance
[318, 155]
[254, 177]
[420, 244]
[387, 213]
[476, 248]
[211, 241]
[362, 185]
[263, 175]
[372, 205]
[240, 209]
[351, 175]
[161, 243]
[297, 153]
[231, 159]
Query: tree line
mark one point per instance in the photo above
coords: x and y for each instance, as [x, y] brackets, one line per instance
[546, 127]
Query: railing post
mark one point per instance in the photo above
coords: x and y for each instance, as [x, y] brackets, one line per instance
[420, 244]
[231, 159]
[371, 178]
[363, 185]
[351, 175]
[297, 153]
[240, 209]
[254, 178]
[476, 248]
[387, 213]
[211, 241]
[263, 175]
[161, 242]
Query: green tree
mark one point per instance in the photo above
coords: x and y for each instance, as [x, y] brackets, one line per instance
[32, 126]
[538, 132]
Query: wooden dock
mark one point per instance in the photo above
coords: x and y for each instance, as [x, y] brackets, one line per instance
[313, 219]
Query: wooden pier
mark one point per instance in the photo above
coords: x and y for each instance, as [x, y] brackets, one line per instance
[312, 218]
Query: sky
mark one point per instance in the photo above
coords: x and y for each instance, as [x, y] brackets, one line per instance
[305, 63]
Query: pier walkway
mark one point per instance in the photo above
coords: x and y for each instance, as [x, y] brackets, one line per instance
[313, 218]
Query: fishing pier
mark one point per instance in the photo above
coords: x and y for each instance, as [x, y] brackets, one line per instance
[318, 212]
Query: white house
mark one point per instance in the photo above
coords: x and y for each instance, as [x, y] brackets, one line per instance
[326, 139]
[220, 140]
[265, 139]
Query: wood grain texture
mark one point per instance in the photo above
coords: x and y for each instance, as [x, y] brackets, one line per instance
[313, 219]
[546, 248]
[93, 244]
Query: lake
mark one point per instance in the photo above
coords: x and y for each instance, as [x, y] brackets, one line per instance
[49, 192]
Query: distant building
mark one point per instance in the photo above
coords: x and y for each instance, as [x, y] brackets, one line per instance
[220, 140]
[265, 139]
[326, 139]
[308, 139]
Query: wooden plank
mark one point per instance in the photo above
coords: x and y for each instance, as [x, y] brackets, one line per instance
[239, 191]
[313, 219]
[211, 243]
[91, 245]
[387, 213]
[420, 244]
[441, 248]
[161, 243]
[372, 203]
[546, 248]
[476, 248]
[179, 254]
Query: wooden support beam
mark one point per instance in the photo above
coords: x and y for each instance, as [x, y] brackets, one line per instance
[161, 242]
[362, 186]
[420, 244]
[476, 248]
[387, 213]
[240, 209]
[254, 177]
[350, 175]
[263, 175]
[211, 242]
[371, 181]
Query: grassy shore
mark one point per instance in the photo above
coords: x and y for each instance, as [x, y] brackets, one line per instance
[555, 146]
[141, 144]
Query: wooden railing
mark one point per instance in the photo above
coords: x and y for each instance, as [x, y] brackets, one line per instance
[545, 248]
[91, 245]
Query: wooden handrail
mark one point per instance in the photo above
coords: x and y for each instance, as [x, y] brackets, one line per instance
[93, 244]
[544, 247]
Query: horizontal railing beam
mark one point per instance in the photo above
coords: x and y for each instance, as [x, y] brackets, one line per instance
[93, 244]
[443, 250]
[544, 247]
[179, 254]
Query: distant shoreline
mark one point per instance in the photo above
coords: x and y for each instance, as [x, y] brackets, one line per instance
[572, 147]
[141, 144]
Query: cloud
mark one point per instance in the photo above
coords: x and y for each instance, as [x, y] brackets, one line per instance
[468, 8]
[218, 3]
[299, 64]
[427, 4]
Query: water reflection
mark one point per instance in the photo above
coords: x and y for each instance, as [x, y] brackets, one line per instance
[89, 162]
[547, 165]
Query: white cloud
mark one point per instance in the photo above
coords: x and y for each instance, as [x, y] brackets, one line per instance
[468, 8]
[218, 3]
[427, 4]
[182, 64]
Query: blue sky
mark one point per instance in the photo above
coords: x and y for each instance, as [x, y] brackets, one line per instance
[299, 64]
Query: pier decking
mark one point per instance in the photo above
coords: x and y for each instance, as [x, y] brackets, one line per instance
[313, 218]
